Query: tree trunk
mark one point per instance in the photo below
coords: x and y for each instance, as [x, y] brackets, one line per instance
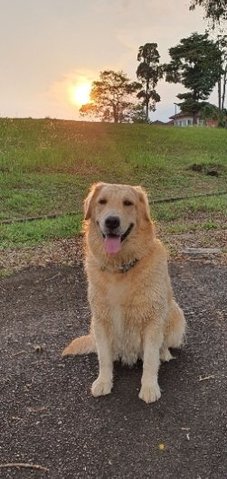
[147, 111]
[147, 102]
[115, 113]
[219, 93]
[194, 118]
[194, 113]
[224, 88]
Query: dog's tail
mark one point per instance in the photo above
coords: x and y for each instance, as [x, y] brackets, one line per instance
[82, 345]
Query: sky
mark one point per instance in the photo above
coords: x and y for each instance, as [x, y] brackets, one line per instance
[49, 47]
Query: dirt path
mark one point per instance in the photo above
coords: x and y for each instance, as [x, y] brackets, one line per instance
[48, 416]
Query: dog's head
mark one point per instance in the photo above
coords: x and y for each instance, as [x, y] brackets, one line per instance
[117, 211]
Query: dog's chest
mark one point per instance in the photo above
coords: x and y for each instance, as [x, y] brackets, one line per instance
[118, 323]
[116, 299]
[126, 338]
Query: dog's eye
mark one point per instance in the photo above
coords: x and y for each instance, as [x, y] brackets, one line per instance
[102, 201]
[127, 203]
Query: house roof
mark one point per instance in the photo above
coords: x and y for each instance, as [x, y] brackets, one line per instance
[158, 122]
[182, 115]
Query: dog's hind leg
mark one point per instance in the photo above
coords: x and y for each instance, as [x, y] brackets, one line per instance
[82, 345]
[174, 333]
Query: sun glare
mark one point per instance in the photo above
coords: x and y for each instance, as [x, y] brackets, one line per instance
[81, 94]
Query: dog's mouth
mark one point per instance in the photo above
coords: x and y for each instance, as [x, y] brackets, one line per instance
[112, 242]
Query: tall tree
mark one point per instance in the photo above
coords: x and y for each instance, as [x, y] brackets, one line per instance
[113, 97]
[149, 72]
[222, 81]
[196, 63]
[215, 10]
[138, 114]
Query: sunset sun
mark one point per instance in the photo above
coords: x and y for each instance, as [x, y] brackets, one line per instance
[81, 94]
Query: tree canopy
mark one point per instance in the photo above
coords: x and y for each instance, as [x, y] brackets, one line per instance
[215, 10]
[113, 97]
[196, 63]
[149, 72]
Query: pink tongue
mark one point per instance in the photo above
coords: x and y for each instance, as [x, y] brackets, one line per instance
[113, 245]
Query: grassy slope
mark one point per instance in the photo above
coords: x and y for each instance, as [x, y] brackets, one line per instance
[46, 167]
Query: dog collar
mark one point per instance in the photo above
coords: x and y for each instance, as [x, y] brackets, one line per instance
[122, 268]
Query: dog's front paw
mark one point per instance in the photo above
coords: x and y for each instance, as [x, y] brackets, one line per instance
[150, 392]
[101, 387]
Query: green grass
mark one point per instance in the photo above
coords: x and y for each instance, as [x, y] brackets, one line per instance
[32, 233]
[47, 166]
[199, 208]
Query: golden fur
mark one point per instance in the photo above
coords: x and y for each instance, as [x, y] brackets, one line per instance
[134, 314]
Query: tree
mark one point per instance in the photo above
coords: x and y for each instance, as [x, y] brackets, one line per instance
[215, 10]
[113, 97]
[222, 81]
[138, 114]
[196, 63]
[149, 72]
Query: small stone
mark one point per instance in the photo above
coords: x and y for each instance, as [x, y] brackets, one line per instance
[38, 348]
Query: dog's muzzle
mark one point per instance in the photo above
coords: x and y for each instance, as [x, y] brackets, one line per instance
[113, 237]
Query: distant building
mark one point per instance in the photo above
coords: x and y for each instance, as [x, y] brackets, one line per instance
[162, 123]
[212, 123]
[186, 119]
[158, 123]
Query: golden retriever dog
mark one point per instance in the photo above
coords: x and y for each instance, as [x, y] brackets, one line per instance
[134, 313]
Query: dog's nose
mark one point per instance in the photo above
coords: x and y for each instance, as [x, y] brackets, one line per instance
[112, 222]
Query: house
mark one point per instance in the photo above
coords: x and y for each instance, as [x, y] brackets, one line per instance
[212, 123]
[157, 123]
[186, 119]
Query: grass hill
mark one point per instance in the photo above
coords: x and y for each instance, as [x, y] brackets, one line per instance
[47, 166]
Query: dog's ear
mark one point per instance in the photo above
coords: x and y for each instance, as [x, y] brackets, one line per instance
[90, 198]
[143, 201]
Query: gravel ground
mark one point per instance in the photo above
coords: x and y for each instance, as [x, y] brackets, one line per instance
[48, 417]
[69, 251]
